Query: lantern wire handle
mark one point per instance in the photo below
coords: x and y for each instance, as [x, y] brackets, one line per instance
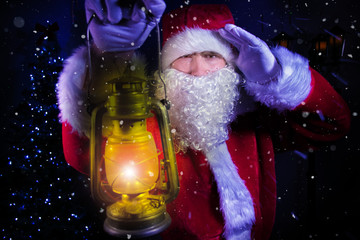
[164, 101]
[89, 108]
[159, 51]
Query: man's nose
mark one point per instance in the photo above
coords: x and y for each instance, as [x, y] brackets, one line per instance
[199, 66]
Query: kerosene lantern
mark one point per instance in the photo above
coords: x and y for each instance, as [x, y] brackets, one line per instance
[128, 174]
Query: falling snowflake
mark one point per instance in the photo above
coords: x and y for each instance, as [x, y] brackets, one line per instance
[19, 22]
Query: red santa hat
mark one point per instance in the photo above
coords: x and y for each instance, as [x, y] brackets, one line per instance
[193, 29]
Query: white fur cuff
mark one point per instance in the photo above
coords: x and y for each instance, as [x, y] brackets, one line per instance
[71, 95]
[290, 89]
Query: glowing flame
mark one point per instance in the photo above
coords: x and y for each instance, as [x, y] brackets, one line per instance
[130, 172]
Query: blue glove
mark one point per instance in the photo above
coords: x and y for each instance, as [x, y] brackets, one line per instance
[255, 59]
[122, 25]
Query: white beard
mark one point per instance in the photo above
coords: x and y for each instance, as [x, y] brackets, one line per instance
[202, 106]
[201, 110]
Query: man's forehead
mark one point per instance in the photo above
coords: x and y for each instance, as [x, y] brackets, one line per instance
[205, 53]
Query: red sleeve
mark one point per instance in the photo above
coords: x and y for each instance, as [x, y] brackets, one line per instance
[76, 149]
[324, 115]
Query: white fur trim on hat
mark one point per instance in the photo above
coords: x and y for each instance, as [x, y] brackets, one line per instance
[235, 199]
[292, 86]
[193, 40]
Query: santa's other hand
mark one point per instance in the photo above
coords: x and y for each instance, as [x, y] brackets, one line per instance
[255, 59]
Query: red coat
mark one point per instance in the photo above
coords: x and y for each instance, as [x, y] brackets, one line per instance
[195, 212]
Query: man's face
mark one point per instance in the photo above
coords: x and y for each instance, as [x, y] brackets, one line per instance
[199, 64]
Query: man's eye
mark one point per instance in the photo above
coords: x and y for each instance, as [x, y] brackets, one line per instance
[186, 56]
[211, 55]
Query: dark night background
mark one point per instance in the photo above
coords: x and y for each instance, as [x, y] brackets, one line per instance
[43, 198]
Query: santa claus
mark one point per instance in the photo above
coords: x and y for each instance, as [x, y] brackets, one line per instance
[234, 101]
